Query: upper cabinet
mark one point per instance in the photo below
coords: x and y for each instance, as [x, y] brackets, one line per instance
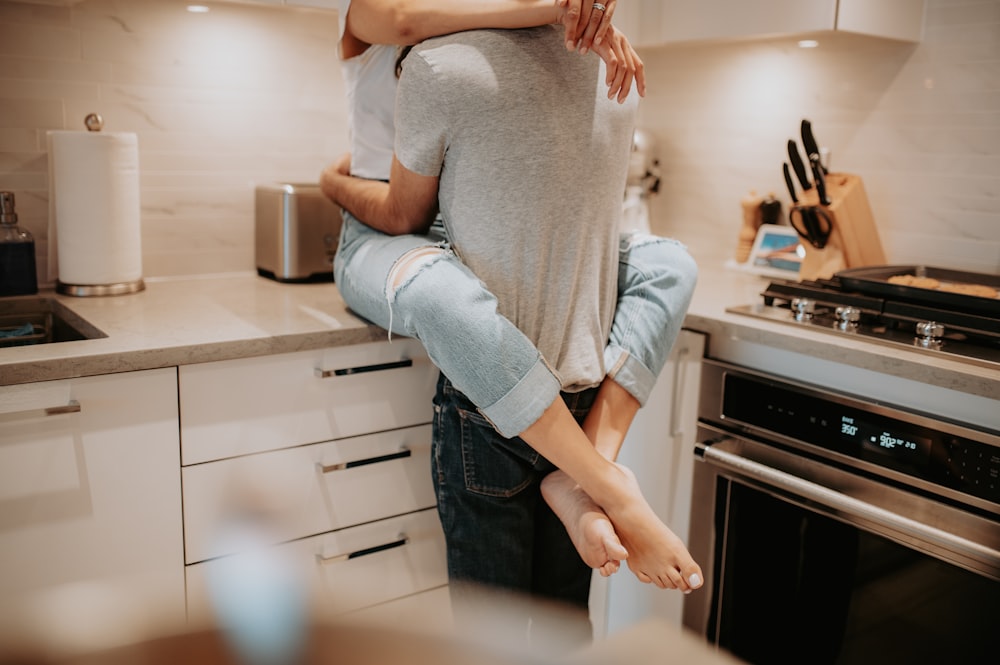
[655, 22]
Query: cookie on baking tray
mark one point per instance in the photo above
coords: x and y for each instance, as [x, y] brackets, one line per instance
[977, 290]
[913, 280]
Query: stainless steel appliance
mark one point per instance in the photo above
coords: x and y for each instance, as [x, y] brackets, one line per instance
[840, 527]
[297, 232]
[874, 303]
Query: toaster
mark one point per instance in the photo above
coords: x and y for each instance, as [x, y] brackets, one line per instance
[297, 232]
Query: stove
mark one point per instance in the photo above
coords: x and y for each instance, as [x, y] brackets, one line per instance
[931, 310]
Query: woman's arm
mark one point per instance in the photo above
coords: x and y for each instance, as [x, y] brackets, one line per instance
[406, 22]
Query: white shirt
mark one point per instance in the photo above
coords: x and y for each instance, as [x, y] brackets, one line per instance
[371, 100]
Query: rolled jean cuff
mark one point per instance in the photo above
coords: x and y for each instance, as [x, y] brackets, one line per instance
[524, 404]
[628, 372]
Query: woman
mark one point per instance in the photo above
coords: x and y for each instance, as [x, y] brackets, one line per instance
[416, 286]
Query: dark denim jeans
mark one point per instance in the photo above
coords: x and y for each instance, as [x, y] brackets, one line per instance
[500, 533]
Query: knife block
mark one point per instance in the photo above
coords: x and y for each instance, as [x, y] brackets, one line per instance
[853, 235]
[821, 263]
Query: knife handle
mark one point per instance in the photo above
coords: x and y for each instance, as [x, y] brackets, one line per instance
[788, 182]
[809, 142]
[798, 166]
[817, 170]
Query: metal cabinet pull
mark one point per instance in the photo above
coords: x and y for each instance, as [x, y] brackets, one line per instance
[327, 468]
[403, 539]
[72, 407]
[347, 371]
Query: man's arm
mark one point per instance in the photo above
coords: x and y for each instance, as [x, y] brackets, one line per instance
[408, 205]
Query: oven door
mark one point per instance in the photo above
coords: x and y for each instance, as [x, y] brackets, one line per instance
[810, 563]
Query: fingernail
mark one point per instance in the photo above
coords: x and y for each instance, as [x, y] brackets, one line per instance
[694, 580]
[687, 591]
[583, 50]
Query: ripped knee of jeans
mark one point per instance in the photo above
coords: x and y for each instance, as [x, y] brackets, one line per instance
[409, 265]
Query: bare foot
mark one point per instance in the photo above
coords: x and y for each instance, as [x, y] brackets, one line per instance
[588, 527]
[656, 554]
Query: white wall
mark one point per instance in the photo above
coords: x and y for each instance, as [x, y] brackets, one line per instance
[919, 123]
[220, 102]
[250, 94]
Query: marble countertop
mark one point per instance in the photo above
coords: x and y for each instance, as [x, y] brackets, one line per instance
[219, 317]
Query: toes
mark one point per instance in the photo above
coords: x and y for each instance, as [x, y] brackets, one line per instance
[615, 549]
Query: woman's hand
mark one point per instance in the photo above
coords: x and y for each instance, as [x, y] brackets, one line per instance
[623, 65]
[586, 24]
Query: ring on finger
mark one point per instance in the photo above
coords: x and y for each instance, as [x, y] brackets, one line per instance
[599, 7]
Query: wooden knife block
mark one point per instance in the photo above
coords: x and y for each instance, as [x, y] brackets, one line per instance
[854, 240]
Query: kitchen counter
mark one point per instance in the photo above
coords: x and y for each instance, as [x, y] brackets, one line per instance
[184, 321]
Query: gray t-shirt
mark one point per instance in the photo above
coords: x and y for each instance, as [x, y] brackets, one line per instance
[532, 158]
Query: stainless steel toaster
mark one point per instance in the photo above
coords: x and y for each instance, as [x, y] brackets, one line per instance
[297, 231]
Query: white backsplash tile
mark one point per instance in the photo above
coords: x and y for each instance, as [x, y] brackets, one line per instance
[249, 94]
[919, 123]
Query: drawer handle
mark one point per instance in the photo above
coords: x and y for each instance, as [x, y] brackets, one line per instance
[347, 371]
[403, 539]
[327, 468]
[72, 407]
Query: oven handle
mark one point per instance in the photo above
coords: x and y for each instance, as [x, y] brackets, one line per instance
[844, 503]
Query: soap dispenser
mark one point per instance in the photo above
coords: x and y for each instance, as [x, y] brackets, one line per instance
[17, 253]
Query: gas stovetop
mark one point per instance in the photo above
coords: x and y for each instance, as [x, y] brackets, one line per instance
[862, 302]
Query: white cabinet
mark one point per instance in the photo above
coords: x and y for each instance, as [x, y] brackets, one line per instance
[653, 22]
[251, 405]
[659, 450]
[90, 497]
[328, 453]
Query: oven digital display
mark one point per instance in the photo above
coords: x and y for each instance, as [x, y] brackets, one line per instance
[903, 447]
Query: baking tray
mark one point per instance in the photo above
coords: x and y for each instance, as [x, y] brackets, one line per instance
[874, 281]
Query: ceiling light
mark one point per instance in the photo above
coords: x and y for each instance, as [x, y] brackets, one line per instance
[808, 43]
[197, 9]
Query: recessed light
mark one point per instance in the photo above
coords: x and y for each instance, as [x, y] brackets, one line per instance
[808, 43]
[197, 9]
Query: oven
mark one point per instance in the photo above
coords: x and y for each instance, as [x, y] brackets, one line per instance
[836, 528]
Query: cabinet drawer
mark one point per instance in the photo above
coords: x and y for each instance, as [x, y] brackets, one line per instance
[250, 405]
[309, 489]
[90, 491]
[425, 612]
[349, 569]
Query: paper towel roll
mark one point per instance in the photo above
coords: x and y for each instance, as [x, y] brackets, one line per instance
[94, 213]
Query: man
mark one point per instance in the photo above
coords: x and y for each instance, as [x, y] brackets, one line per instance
[499, 126]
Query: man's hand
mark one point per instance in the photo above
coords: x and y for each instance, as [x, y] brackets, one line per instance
[586, 24]
[408, 206]
[342, 165]
[623, 65]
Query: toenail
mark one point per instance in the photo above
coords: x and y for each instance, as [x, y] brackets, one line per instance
[694, 580]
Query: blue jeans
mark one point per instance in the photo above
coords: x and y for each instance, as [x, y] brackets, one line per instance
[501, 535]
[444, 305]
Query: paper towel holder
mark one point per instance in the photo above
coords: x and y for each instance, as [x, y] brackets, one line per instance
[95, 123]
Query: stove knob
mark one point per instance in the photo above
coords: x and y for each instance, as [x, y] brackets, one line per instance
[848, 318]
[929, 334]
[803, 308]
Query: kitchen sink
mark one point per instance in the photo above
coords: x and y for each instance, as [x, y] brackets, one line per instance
[39, 320]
